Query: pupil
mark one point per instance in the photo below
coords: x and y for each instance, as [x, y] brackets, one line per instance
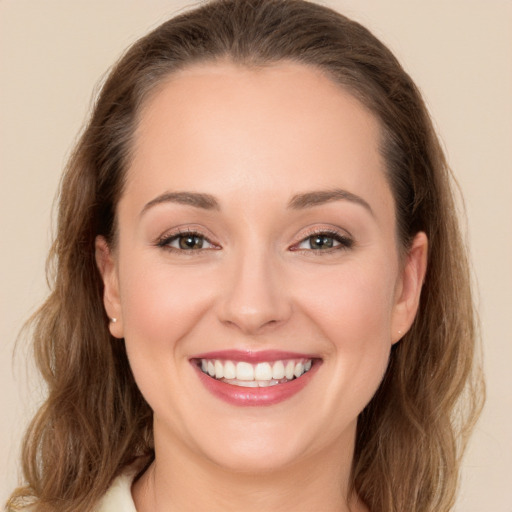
[320, 242]
[191, 242]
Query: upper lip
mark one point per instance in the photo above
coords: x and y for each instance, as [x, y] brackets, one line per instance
[252, 356]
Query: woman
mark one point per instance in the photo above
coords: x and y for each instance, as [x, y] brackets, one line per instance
[261, 297]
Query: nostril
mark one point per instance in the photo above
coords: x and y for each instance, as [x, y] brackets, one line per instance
[252, 324]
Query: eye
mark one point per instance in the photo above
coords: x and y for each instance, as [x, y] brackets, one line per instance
[324, 241]
[186, 241]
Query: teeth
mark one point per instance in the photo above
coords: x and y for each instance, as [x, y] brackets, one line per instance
[299, 370]
[244, 371]
[263, 374]
[219, 370]
[263, 371]
[253, 383]
[247, 383]
[289, 370]
[278, 370]
[267, 383]
[229, 370]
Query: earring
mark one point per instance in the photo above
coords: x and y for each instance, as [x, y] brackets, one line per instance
[113, 320]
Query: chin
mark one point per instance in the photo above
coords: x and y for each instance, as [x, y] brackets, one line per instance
[261, 448]
[256, 461]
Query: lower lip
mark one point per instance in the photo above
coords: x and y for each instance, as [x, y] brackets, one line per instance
[270, 395]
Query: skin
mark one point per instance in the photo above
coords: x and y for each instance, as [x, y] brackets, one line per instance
[252, 139]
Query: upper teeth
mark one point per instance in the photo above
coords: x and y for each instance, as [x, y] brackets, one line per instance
[265, 371]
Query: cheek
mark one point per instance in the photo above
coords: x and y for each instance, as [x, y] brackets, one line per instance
[354, 313]
[160, 307]
[158, 299]
[354, 303]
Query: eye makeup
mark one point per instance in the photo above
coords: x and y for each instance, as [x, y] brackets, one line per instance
[318, 240]
[323, 240]
[186, 241]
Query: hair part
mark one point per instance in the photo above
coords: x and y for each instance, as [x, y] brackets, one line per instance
[95, 422]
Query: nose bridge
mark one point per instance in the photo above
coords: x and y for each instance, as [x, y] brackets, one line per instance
[255, 298]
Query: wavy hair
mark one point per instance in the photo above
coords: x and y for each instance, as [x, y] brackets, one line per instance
[94, 422]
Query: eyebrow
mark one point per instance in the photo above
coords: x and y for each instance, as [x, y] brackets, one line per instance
[320, 197]
[199, 200]
[297, 202]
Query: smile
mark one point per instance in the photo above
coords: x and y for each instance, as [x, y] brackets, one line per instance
[262, 378]
[262, 374]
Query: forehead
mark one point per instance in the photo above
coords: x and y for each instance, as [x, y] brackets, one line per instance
[218, 127]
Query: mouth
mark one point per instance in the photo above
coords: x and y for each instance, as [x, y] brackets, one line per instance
[252, 378]
[260, 375]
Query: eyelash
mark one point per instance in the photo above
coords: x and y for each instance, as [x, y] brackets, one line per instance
[343, 241]
[165, 241]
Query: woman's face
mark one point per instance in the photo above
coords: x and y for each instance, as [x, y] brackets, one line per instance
[257, 243]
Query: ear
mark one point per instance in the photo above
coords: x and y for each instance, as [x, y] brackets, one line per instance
[408, 290]
[106, 264]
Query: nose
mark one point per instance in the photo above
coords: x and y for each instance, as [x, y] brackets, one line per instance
[254, 298]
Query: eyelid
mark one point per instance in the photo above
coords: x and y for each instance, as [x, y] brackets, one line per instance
[345, 239]
[164, 240]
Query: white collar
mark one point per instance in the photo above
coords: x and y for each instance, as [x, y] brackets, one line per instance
[118, 498]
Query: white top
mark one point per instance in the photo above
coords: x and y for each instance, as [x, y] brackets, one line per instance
[119, 496]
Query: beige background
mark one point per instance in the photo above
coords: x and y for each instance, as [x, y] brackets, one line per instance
[53, 53]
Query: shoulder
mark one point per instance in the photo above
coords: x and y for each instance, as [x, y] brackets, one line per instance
[118, 498]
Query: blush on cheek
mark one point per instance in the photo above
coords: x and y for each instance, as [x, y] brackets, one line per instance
[160, 302]
[355, 308]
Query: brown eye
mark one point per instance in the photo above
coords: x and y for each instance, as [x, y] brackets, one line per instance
[190, 241]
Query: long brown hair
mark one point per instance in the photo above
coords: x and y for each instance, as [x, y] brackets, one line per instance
[95, 422]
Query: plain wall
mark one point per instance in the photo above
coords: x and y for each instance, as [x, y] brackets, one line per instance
[459, 52]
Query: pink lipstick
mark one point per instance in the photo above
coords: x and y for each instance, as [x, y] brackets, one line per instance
[247, 378]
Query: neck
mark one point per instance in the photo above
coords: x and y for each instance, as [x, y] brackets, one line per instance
[180, 480]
